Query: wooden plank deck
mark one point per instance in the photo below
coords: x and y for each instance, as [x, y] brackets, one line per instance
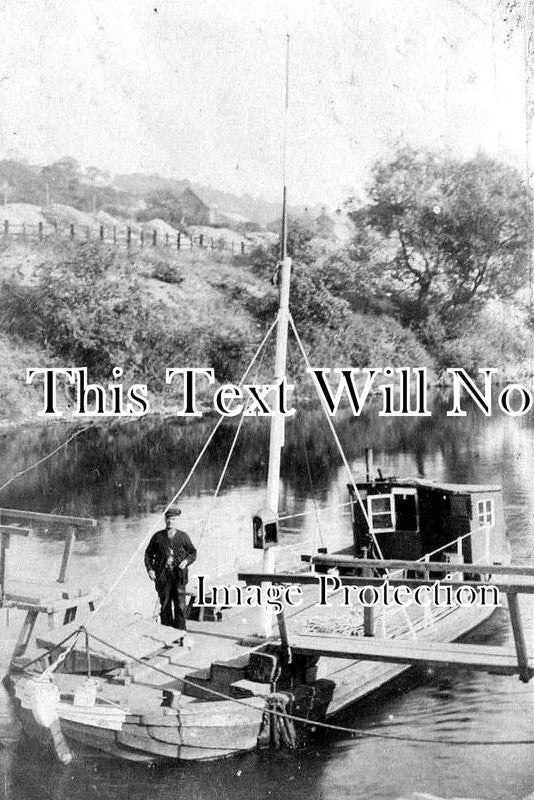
[499, 660]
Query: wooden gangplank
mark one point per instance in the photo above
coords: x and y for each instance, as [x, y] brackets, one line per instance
[498, 660]
[257, 578]
[346, 561]
[389, 649]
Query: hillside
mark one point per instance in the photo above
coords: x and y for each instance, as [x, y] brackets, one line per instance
[244, 206]
[64, 182]
[94, 304]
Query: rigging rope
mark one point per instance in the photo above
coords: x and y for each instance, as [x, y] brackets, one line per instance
[317, 518]
[45, 458]
[216, 427]
[219, 484]
[338, 443]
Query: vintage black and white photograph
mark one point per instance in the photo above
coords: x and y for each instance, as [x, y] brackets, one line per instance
[267, 399]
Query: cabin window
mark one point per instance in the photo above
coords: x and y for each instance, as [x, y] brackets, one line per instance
[486, 512]
[381, 512]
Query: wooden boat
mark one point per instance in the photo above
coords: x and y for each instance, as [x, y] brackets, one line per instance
[142, 691]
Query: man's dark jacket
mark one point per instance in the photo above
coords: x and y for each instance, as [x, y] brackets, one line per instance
[161, 550]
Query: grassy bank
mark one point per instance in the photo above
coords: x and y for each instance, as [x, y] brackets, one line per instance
[88, 305]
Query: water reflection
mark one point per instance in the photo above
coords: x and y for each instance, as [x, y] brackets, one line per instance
[125, 473]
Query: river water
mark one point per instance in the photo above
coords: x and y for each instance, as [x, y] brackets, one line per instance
[125, 473]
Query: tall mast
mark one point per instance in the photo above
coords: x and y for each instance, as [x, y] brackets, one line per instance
[277, 420]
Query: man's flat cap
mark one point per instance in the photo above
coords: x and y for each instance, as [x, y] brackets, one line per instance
[173, 511]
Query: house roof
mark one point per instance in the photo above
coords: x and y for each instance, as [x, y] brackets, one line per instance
[198, 195]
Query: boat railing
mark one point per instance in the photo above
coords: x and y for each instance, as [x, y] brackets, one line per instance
[397, 569]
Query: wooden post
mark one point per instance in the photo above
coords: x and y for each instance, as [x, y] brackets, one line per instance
[142, 238]
[178, 240]
[154, 237]
[23, 230]
[87, 232]
[191, 242]
[5, 533]
[519, 638]
[284, 639]
[114, 234]
[4, 544]
[40, 231]
[55, 227]
[67, 552]
[368, 612]
[128, 236]
[102, 233]
[201, 241]
[167, 239]
[242, 248]
[6, 227]
[72, 230]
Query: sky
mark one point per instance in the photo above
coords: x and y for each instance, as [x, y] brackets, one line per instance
[195, 88]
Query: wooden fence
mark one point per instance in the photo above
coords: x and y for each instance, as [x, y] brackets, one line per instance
[121, 236]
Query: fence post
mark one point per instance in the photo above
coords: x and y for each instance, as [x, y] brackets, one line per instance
[102, 233]
[154, 237]
[6, 227]
[178, 240]
[55, 227]
[212, 243]
[115, 234]
[23, 230]
[40, 231]
[201, 241]
[142, 238]
[242, 248]
[167, 239]
[72, 230]
[87, 232]
[128, 236]
[191, 241]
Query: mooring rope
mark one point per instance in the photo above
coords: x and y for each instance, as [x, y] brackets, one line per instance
[313, 724]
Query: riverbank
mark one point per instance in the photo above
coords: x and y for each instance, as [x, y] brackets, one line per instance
[83, 304]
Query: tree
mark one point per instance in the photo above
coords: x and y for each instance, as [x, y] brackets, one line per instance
[63, 180]
[440, 236]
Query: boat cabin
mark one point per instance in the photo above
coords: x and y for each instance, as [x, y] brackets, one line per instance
[412, 518]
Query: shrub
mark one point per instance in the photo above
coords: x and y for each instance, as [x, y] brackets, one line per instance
[167, 273]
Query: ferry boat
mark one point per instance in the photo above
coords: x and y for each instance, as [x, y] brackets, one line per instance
[142, 691]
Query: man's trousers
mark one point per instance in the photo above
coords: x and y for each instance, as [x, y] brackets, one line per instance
[172, 598]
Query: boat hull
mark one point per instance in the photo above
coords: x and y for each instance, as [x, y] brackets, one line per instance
[199, 731]
[209, 730]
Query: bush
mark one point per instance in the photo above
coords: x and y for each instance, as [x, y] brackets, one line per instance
[167, 273]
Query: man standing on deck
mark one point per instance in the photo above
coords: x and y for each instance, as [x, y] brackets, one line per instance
[167, 557]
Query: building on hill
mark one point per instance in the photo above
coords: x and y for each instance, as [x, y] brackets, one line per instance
[196, 211]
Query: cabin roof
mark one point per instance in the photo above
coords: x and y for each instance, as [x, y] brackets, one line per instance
[452, 488]
[456, 488]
